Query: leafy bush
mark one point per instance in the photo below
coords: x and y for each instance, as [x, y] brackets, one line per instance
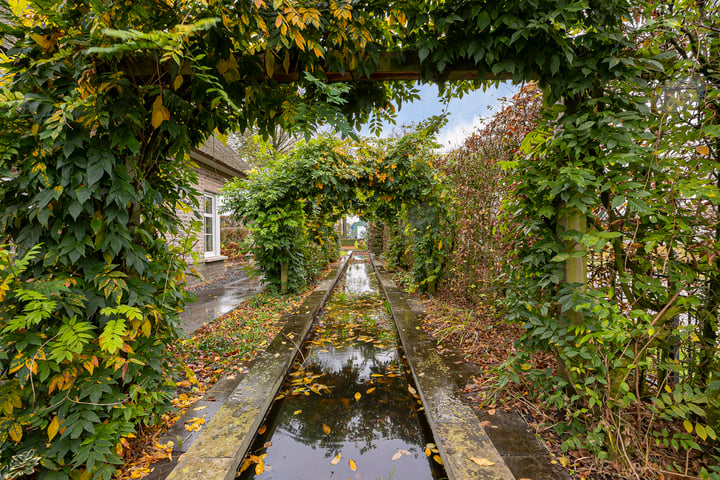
[72, 391]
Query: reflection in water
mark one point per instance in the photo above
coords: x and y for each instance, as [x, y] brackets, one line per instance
[346, 399]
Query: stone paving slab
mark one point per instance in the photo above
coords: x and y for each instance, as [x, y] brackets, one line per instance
[458, 433]
[218, 449]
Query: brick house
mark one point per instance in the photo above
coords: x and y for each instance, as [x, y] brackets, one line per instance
[215, 164]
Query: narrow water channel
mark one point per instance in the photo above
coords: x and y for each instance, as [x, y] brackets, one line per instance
[347, 410]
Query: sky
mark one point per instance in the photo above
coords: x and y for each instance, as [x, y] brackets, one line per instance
[466, 113]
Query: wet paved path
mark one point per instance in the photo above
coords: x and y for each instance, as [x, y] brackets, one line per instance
[216, 301]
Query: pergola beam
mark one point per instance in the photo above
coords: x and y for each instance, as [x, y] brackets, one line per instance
[391, 66]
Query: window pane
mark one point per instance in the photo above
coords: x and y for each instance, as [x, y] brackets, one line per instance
[209, 205]
[209, 243]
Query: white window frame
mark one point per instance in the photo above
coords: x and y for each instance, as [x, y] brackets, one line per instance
[211, 215]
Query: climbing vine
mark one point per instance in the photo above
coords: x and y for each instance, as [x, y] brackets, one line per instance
[291, 206]
[102, 101]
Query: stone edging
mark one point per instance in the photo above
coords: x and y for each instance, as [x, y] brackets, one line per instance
[457, 430]
[218, 450]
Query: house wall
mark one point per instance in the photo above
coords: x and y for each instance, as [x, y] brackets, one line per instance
[209, 268]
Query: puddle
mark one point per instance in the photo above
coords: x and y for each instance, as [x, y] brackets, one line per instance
[347, 411]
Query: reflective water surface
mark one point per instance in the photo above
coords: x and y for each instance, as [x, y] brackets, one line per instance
[347, 410]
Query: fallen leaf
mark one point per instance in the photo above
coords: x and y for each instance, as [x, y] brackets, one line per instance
[397, 456]
[427, 452]
[412, 390]
[491, 411]
[370, 390]
[246, 463]
[357, 396]
[485, 423]
[353, 465]
[267, 445]
[405, 452]
[702, 150]
[336, 459]
[437, 459]
[483, 462]
[326, 429]
[197, 409]
[260, 468]
[297, 412]
[262, 429]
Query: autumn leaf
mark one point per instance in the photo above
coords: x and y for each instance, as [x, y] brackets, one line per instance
[326, 429]
[483, 462]
[370, 390]
[177, 83]
[159, 112]
[357, 396]
[397, 456]
[336, 459]
[702, 149]
[353, 465]
[195, 424]
[688, 426]
[438, 459]
[16, 432]
[262, 429]
[260, 467]
[297, 412]
[53, 428]
[412, 390]
[246, 463]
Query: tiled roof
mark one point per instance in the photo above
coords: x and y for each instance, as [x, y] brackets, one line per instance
[216, 155]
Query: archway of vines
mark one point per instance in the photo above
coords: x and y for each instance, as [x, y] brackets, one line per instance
[291, 207]
[101, 102]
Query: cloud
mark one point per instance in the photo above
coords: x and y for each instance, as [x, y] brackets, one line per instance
[465, 114]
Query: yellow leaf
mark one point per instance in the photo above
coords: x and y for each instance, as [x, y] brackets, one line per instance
[159, 112]
[178, 82]
[43, 41]
[262, 429]
[702, 149]
[370, 390]
[353, 465]
[357, 396]
[483, 462]
[147, 327]
[427, 452]
[286, 62]
[437, 459]
[260, 467]
[53, 428]
[16, 432]
[412, 390]
[297, 412]
[336, 459]
[246, 463]
[688, 426]
[326, 429]
[269, 63]
[396, 456]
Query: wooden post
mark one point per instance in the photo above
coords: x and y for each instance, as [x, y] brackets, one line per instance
[284, 277]
[575, 269]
